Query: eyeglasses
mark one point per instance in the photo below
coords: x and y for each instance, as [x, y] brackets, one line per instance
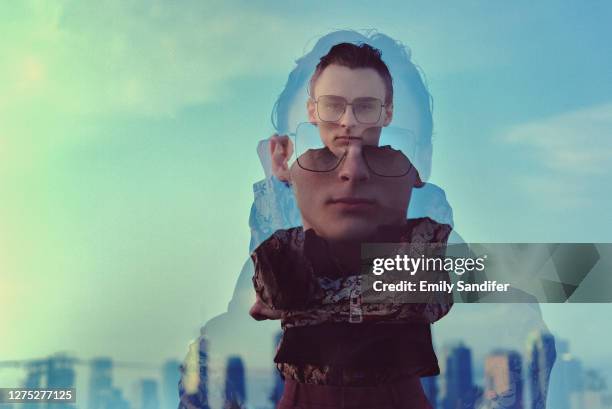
[367, 110]
[386, 150]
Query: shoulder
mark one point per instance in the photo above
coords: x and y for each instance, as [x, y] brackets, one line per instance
[282, 275]
[278, 249]
[282, 240]
[427, 230]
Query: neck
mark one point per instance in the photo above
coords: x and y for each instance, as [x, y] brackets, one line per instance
[348, 252]
[348, 255]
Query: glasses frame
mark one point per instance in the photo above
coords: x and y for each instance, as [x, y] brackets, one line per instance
[293, 135]
[351, 104]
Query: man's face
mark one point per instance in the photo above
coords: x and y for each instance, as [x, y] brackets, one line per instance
[406, 115]
[350, 202]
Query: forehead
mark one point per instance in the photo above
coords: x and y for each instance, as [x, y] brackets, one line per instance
[350, 83]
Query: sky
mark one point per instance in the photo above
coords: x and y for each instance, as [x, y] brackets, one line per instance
[128, 132]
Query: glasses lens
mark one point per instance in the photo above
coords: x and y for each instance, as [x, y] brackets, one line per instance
[367, 110]
[393, 153]
[311, 152]
[330, 108]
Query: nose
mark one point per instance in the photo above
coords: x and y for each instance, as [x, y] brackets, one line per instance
[348, 118]
[353, 168]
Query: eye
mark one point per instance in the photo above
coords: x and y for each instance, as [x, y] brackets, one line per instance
[332, 105]
[365, 107]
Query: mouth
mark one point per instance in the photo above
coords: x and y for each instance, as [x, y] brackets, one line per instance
[341, 140]
[345, 137]
[352, 203]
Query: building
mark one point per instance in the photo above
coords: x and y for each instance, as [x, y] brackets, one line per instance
[541, 353]
[147, 394]
[170, 379]
[61, 374]
[504, 380]
[566, 381]
[460, 389]
[195, 374]
[100, 382]
[235, 382]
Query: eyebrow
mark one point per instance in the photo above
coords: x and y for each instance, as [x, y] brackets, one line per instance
[346, 99]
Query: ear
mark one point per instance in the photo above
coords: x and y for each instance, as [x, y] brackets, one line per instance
[388, 113]
[281, 149]
[311, 107]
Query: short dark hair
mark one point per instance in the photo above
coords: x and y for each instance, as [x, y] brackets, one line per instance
[353, 56]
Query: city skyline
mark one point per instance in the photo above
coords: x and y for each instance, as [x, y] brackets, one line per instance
[502, 370]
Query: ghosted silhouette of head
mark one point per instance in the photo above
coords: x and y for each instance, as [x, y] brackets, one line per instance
[411, 100]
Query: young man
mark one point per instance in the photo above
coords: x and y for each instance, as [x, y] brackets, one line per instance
[234, 332]
[350, 189]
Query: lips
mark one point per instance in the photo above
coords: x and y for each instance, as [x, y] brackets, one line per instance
[352, 200]
[342, 140]
[352, 203]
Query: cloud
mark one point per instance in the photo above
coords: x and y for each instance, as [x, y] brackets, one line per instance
[150, 58]
[567, 156]
[577, 142]
[156, 57]
[67, 66]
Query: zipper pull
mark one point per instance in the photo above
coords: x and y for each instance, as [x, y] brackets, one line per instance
[355, 312]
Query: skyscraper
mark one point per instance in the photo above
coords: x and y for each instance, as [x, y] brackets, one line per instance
[566, 379]
[170, 378]
[504, 379]
[235, 383]
[36, 375]
[541, 353]
[116, 400]
[194, 375]
[102, 394]
[100, 382]
[60, 374]
[461, 393]
[149, 398]
[56, 372]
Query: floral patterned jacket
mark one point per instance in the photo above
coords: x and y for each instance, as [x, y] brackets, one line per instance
[295, 273]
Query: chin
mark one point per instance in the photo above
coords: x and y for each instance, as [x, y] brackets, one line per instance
[349, 230]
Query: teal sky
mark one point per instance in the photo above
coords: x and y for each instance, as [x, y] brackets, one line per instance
[128, 134]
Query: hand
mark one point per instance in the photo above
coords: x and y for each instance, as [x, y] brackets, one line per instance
[281, 149]
[261, 311]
